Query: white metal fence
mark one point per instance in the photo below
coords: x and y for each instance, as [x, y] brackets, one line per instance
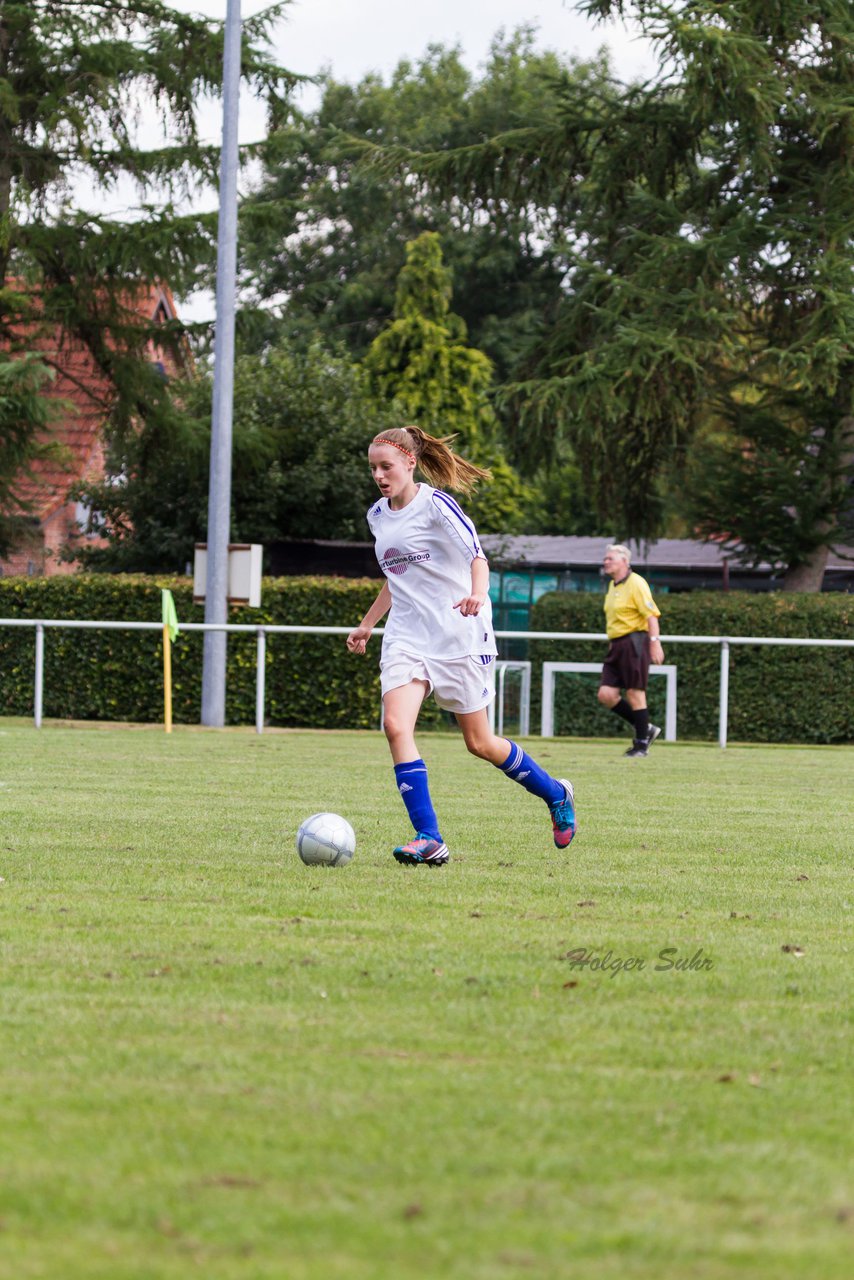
[261, 632]
[551, 669]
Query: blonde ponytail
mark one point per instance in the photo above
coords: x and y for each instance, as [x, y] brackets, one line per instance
[442, 467]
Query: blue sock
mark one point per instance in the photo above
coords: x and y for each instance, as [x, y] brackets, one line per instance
[522, 769]
[411, 780]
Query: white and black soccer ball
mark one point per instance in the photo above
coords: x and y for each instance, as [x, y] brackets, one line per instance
[326, 840]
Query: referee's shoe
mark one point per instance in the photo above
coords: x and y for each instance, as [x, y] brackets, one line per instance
[641, 746]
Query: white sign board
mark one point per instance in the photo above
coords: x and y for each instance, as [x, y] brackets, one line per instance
[244, 573]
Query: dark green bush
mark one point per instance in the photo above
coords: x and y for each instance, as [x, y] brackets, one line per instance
[776, 694]
[113, 675]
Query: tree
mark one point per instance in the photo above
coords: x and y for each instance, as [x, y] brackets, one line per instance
[423, 368]
[23, 412]
[75, 78]
[302, 424]
[775, 488]
[330, 236]
[707, 218]
[421, 362]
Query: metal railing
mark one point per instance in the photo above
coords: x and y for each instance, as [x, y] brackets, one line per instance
[502, 666]
[551, 669]
[261, 632]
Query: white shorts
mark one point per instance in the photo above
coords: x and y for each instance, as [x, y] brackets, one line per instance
[457, 684]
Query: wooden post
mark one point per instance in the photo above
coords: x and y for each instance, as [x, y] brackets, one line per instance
[167, 679]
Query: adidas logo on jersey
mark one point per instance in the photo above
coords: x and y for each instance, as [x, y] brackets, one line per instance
[404, 786]
[520, 776]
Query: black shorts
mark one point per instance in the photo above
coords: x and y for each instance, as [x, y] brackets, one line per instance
[626, 663]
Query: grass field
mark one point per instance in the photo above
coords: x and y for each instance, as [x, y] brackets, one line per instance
[217, 1062]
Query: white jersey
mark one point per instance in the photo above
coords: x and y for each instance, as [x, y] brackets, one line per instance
[426, 551]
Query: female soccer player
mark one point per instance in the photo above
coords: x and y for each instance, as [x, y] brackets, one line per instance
[439, 633]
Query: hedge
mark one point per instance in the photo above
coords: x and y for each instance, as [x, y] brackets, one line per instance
[775, 694]
[311, 681]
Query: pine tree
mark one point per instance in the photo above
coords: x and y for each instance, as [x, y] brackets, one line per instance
[707, 218]
[76, 77]
[423, 367]
[421, 361]
[24, 411]
[331, 237]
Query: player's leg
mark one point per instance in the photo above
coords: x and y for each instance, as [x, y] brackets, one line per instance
[645, 733]
[626, 667]
[611, 684]
[636, 672]
[401, 707]
[517, 765]
[611, 698]
[400, 714]
[636, 699]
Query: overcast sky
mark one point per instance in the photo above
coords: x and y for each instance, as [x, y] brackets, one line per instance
[352, 38]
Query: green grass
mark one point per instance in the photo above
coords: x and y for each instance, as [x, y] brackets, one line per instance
[217, 1062]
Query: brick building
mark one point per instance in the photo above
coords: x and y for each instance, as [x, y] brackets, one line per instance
[84, 395]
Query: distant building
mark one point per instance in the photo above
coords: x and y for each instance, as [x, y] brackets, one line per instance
[85, 396]
[525, 568]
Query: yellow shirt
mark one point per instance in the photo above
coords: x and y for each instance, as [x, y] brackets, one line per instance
[628, 606]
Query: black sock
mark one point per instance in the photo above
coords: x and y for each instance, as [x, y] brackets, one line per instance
[624, 711]
[641, 719]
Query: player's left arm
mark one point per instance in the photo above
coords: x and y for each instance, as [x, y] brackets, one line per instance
[656, 652]
[451, 519]
[471, 605]
[653, 626]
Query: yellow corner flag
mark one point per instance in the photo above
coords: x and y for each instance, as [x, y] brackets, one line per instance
[170, 631]
[170, 617]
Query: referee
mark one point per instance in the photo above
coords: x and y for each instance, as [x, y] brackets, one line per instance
[631, 621]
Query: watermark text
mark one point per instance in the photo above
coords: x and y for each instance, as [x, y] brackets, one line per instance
[668, 959]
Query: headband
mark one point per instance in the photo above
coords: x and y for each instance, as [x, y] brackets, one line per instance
[395, 445]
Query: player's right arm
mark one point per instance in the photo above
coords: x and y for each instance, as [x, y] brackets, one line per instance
[359, 636]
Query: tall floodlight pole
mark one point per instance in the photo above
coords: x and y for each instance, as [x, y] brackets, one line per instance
[219, 494]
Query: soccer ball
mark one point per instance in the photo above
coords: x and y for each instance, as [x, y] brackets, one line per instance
[326, 840]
